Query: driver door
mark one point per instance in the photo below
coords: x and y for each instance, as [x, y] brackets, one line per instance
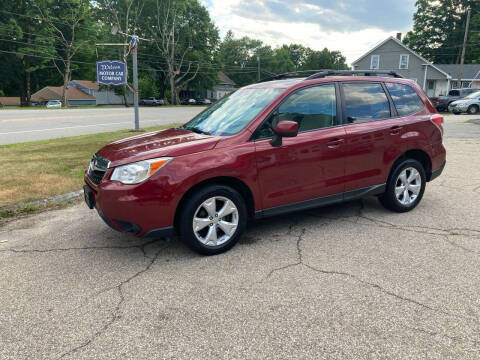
[310, 165]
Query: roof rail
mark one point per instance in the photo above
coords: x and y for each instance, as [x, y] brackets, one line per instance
[325, 73]
[291, 75]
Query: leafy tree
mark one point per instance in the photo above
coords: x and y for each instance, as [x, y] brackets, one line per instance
[22, 33]
[438, 30]
[185, 39]
[70, 22]
[147, 87]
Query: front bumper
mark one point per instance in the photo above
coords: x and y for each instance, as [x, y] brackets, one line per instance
[142, 210]
[457, 108]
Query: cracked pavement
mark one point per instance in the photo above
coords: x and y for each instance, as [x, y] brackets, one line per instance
[350, 281]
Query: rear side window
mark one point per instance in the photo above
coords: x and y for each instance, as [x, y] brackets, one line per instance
[365, 102]
[312, 108]
[454, 93]
[405, 99]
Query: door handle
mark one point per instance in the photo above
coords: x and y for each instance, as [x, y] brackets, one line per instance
[395, 130]
[334, 143]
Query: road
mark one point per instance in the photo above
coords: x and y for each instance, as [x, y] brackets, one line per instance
[31, 125]
[350, 281]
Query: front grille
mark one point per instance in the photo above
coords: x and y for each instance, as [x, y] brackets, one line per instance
[97, 169]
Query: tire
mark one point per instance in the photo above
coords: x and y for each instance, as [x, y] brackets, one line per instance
[214, 234]
[472, 109]
[457, 113]
[413, 170]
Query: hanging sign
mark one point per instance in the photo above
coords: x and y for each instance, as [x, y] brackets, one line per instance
[111, 72]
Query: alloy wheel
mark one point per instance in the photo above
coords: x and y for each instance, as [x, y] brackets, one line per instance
[408, 186]
[215, 221]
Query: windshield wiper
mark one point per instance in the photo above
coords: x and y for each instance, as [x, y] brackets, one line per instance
[196, 130]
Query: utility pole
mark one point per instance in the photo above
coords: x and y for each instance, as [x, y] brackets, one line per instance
[460, 68]
[258, 67]
[133, 50]
[135, 80]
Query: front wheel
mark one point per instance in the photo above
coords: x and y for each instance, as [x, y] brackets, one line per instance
[473, 109]
[405, 186]
[213, 219]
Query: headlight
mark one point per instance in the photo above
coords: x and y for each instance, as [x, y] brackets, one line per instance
[137, 172]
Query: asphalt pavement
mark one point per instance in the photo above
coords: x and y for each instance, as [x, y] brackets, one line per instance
[32, 124]
[350, 281]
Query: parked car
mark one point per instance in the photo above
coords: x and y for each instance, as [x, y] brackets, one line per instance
[441, 103]
[151, 101]
[469, 104]
[189, 102]
[203, 102]
[268, 149]
[53, 104]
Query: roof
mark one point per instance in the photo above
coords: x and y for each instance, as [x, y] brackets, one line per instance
[224, 79]
[10, 100]
[470, 71]
[399, 42]
[55, 93]
[88, 84]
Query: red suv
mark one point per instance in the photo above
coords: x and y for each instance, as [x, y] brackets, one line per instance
[269, 148]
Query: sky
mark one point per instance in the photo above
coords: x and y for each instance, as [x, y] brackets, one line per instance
[350, 26]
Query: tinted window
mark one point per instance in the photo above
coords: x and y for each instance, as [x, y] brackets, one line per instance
[405, 99]
[454, 93]
[365, 102]
[312, 108]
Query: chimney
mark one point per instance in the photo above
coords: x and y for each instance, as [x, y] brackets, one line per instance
[399, 36]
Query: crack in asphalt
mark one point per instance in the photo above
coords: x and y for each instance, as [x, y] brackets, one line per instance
[116, 312]
[141, 247]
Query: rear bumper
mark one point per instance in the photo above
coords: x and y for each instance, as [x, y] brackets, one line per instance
[436, 173]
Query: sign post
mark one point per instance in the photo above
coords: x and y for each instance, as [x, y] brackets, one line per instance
[133, 51]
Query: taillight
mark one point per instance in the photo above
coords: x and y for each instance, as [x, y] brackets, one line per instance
[437, 119]
[437, 100]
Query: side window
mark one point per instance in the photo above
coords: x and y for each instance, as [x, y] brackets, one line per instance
[365, 102]
[405, 98]
[312, 108]
[454, 93]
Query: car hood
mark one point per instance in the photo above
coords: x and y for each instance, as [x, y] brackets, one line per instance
[169, 142]
[459, 102]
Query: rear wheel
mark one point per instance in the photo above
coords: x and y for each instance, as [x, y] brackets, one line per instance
[213, 219]
[472, 109]
[405, 186]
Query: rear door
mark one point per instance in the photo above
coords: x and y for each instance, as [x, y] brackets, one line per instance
[373, 134]
[310, 165]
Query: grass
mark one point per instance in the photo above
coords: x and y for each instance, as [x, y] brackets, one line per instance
[42, 169]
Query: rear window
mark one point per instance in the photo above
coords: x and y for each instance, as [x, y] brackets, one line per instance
[405, 98]
[365, 102]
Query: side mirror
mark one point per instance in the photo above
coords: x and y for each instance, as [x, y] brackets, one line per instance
[284, 128]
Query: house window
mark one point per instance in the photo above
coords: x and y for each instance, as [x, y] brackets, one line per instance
[404, 61]
[430, 84]
[375, 62]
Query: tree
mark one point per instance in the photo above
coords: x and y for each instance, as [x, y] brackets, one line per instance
[438, 30]
[147, 87]
[28, 45]
[185, 38]
[126, 15]
[69, 20]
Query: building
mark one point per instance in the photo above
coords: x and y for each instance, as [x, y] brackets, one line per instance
[470, 74]
[104, 95]
[224, 87]
[393, 54]
[9, 101]
[75, 97]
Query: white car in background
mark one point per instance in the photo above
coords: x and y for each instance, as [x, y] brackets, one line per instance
[53, 104]
[469, 104]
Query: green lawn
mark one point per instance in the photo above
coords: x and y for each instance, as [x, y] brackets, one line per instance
[41, 169]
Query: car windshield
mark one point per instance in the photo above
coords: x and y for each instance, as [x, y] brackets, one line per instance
[233, 113]
[474, 95]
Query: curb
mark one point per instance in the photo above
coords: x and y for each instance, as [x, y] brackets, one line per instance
[51, 200]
